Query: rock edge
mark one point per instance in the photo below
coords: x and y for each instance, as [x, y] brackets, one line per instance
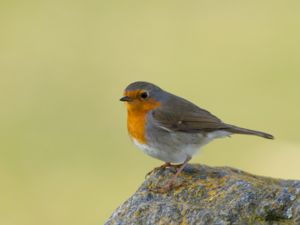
[212, 195]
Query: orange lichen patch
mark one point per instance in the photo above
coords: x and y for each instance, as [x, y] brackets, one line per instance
[137, 114]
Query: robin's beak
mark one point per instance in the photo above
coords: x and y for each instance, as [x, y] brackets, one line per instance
[126, 99]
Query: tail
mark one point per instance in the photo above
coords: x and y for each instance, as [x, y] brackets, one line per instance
[240, 130]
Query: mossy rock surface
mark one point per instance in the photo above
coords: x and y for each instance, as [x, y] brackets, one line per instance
[212, 195]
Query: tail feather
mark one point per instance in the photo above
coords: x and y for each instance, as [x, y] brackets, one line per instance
[240, 130]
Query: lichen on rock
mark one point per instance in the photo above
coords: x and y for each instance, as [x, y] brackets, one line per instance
[212, 195]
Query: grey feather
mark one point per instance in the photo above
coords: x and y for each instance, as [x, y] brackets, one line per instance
[190, 118]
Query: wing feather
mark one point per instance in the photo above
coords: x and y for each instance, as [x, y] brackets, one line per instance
[181, 115]
[186, 118]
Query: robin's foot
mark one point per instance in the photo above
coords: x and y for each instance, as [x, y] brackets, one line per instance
[171, 183]
[166, 188]
[165, 165]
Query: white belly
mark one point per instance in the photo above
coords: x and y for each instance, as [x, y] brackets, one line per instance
[176, 152]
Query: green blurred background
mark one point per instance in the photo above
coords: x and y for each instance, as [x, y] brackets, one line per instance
[65, 156]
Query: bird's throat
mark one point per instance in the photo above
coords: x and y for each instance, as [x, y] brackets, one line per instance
[137, 118]
[136, 124]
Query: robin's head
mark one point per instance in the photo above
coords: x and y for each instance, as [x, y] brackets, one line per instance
[142, 96]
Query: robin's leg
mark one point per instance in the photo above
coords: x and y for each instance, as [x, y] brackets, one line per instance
[170, 184]
[163, 166]
[176, 166]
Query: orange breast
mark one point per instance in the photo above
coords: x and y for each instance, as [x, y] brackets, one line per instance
[136, 124]
[137, 118]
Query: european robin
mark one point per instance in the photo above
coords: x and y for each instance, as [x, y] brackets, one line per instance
[170, 128]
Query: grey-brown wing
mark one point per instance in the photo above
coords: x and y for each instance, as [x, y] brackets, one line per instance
[186, 118]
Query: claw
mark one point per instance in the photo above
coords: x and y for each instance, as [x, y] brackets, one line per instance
[163, 166]
[170, 184]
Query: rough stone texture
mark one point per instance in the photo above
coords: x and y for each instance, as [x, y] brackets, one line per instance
[207, 195]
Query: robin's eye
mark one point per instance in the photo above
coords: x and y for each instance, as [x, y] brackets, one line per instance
[144, 95]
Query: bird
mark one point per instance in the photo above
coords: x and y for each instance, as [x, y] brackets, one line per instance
[171, 128]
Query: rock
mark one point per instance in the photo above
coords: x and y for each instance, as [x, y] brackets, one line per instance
[209, 195]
